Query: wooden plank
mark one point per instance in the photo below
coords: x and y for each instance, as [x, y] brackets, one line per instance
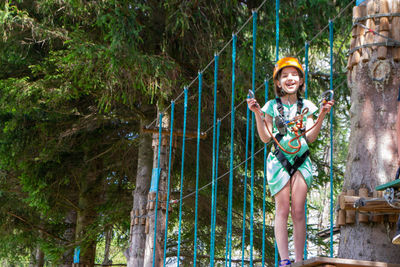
[369, 204]
[394, 184]
[338, 262]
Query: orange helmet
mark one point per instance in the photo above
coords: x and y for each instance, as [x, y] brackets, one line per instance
[287, 62]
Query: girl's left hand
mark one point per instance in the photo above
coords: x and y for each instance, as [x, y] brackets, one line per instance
[326, 107]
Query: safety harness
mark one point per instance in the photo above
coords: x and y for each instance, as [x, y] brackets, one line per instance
[298, 160]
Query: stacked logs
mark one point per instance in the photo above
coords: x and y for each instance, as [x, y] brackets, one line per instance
[139, 216]
[368, 20]
[364, 207]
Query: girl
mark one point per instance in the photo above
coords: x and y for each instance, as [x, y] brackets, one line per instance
[289, 168]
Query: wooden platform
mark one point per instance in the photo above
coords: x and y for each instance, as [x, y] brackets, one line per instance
[325, 261]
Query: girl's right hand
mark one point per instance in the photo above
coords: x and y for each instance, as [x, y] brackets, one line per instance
[253, 104]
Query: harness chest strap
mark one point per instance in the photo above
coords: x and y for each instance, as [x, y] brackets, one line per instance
[298, 160]
[280, 106]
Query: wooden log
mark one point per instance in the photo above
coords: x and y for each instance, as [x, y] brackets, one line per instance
[350, 214]
[152, 196]
[383, 6]
[357, 13]
[395, 30]
[142, 218]
[382, 50]
[383, 29]
[341, 219]
[164, 140]
[361, 35]
[370, 204]
[147, 226]
[363, 218]
[393, 218]
[356, 57]
[375, 217]
[370, 23]
[349, 66]
[137, 217]
[384, 24]
[368, 39]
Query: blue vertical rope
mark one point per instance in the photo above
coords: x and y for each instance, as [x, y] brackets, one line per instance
[213, 195]
[157, 185]
[276, 59]
[229, 228]
[252, 140]
[264, 184]
[245, 185]
[253, 80]
[182, 172]
[252, 190]
[306, 96]
[331, 133]
[277, 30]
[169, 179]
[197, 169]
[216, 185]
[306, 71]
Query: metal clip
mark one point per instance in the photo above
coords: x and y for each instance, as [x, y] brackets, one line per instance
[326, 96]
[389, 195]
[250, 94]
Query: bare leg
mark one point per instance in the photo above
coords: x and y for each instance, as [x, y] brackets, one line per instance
[282, 205]
[299, 194]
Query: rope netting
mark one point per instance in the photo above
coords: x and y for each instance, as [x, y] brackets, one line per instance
[245, 250]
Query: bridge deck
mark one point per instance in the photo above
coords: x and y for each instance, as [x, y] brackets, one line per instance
[330, 262]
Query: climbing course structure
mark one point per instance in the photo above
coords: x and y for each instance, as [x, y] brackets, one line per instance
[369, 42]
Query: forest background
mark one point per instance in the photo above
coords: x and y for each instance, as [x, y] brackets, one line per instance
[79, 80]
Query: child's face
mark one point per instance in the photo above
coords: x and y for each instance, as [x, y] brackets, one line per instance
[290, 80]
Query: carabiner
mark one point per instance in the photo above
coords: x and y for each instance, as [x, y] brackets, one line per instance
[326, 96]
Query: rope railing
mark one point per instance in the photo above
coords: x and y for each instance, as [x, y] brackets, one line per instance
[297, 54]
[232, 168]
[209, 64]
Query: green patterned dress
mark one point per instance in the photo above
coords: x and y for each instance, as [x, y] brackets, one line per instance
[276, 174]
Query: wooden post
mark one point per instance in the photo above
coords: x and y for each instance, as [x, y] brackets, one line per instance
[395, 29]
[377, 218]
[155, 241]
[355, 58]
[342, 213]
[369, 36]
[383, 29]
[350, 214]
[393, 218]
[362, 218]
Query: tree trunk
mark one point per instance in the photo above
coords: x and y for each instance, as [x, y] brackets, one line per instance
[69, 235]
[372, 152]
[37, 258]
[108, 239]
[88, 201]
[159, 246]
[135, 252]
